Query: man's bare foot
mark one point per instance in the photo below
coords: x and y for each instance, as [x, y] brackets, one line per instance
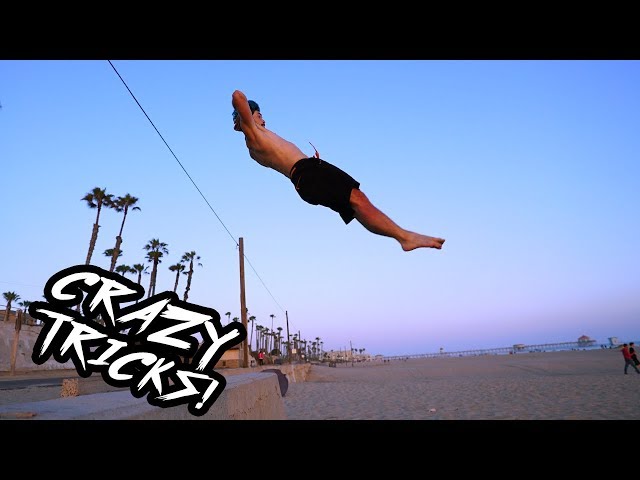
[416, 240]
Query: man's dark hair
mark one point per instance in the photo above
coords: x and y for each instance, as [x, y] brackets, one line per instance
[252, 105]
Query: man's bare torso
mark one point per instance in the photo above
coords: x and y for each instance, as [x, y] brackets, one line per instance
[273, 151]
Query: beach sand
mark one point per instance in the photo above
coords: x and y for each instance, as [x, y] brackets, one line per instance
[566, 385]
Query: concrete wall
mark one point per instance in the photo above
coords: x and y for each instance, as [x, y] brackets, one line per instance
[249, 395]
[26, 339]
[246, 397]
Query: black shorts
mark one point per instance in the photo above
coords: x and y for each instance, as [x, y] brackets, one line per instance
[320, 183]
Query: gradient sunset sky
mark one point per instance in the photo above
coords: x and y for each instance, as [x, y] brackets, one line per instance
[530, 169]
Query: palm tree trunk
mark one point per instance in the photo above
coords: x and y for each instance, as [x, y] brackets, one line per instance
[116, 253]
[152, 281]
[175, 287]
[188, 287]
[16, 339]
[152, 284]
[116, 250]
[92, 243]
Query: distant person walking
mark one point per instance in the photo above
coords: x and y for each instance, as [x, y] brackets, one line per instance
[634, 355]
[627, 359]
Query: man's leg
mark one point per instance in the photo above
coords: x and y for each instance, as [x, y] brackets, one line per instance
[377, 222]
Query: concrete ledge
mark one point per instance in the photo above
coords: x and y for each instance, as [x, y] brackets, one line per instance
[252, 396]
[247, 396]
[72, 387]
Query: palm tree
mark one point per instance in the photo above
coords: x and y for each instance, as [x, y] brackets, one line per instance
[122, 204]
[140, 269]
[279, 342]
[228, 314]
[272, 341]
[123, 269]
[156, 250]
[9, 297]
[190, 258]
[272, 317]
[25, 306]
[251, 319]
[265, 339]
[110, 251]
[178, 267]
[258, 336]
[96, 198]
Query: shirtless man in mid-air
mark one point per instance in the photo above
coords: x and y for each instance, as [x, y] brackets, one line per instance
[317, 181]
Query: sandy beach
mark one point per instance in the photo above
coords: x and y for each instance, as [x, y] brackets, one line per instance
[567, 385]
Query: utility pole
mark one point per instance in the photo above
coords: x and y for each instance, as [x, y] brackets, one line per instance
[243, 308]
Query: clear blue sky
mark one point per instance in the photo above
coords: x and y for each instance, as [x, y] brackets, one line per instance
[529, 169]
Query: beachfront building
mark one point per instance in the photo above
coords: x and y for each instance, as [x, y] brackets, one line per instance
[346, 355]
[231, 358]
[13, 313]
[585, 341]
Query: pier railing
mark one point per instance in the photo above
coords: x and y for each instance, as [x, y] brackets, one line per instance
[514, 349]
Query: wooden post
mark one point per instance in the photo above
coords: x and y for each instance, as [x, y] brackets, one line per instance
[243, 308]
[351, 351]
[16, 336]
[286, 314]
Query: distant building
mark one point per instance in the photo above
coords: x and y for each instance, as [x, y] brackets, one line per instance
[585, 340]
[26, 318]
[613, 341]
[231, 358]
